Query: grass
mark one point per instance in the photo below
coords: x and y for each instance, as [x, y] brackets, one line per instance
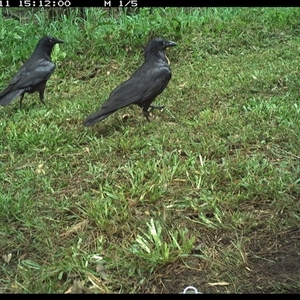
[101, 209]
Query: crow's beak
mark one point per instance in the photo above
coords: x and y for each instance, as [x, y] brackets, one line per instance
[171, 44]
[58, 41]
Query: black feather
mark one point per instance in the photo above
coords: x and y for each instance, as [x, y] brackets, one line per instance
[33, 75]
[143, 86]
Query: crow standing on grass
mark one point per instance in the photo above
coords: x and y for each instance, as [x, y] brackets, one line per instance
[33, 75]
[144, 85]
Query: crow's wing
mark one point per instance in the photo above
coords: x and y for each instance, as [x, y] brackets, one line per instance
[144, 85]
[26, 79]
[33, 74]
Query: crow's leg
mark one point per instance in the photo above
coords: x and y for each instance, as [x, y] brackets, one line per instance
[146, 110]
[146, 114]
[42, 97]
[21, 99]
[160, 107]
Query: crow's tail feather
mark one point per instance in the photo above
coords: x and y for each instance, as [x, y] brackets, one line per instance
[7, 97]
[96, 117]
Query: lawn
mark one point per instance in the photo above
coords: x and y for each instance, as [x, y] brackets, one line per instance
[206, 194]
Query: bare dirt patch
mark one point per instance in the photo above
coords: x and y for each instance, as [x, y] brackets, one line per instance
[273, 265]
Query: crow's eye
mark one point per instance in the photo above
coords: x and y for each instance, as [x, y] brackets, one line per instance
[50, 40]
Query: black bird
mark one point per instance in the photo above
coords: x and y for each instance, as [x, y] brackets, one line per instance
[144, 85]
[33, 75]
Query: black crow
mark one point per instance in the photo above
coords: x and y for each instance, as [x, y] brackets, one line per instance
[144, 85]
[33, 75]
